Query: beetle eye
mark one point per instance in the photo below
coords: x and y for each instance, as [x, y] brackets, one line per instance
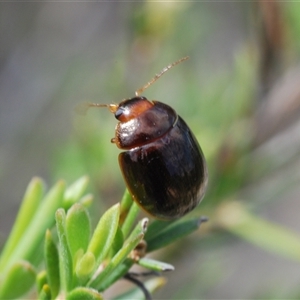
[119, 112]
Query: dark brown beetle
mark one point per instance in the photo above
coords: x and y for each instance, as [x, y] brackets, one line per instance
[163, 167]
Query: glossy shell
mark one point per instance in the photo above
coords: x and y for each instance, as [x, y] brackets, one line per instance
[163, 167]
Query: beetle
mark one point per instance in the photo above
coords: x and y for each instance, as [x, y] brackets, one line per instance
[163, 165]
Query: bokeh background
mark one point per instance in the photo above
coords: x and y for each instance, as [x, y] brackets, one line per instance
[239, 92]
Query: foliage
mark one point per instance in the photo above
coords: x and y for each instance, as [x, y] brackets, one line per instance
[78, 262]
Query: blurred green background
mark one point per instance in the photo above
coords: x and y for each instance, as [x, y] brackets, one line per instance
[239, 92]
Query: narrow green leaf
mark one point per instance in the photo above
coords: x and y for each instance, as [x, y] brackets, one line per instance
[126, 203]
[77, 257]
[78, 227]
[64, 251]
[156, 227]
[172, 233]
[234, 217]
[141, 227]
[118, 242]
[117, 273]
[45, 293]
[29, 205]
[81, 293]
[104, 233]
[18, 281]
[87, 200]
[52, 264]
[133, 240]
[85, 266]
[155, 265]
[43, 219]
[41, 280]
[122, 269]
[130, 219]
[115, 261]
[75, 191]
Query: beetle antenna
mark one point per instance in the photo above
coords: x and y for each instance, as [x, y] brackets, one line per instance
[163, 71]
[111, 107]
[83, 107]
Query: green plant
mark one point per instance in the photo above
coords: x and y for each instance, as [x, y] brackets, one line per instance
[72, 261]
